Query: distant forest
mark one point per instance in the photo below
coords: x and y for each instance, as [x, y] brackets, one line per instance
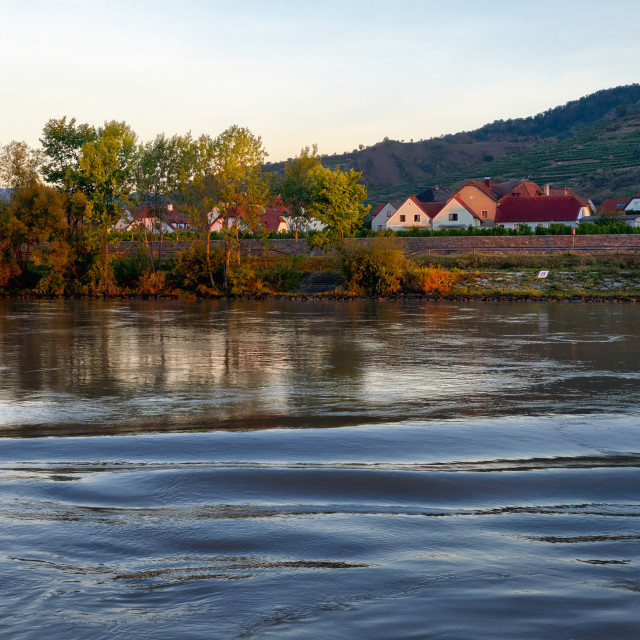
[564, 120]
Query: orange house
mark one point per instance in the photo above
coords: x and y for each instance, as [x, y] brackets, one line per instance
[481, 197]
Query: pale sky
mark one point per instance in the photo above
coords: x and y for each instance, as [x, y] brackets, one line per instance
[338, 73]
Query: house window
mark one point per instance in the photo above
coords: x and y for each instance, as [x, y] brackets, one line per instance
[389, 214]
[403, 218]
[453, 217]
[380, 227]
[485, 214]
[416, 218]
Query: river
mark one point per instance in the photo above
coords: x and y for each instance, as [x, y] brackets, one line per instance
[367, 470]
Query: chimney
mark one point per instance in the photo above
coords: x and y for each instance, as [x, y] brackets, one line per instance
[487, 181]
[547, 189]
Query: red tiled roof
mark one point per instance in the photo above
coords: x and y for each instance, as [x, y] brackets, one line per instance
[613, 205]
[495, 191]
[547, 209]
[430, 208]
[566, 191]
[377, 210]
[527, 189]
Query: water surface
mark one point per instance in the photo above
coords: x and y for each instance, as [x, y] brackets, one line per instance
[319, 470]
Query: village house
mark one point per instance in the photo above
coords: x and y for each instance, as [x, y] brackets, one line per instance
[455, 214]
[270, 220]
[412, 213]
[613, 206]
[380, 215]
[634, 203]
[514, 212]
[147, 218]
[481, 197]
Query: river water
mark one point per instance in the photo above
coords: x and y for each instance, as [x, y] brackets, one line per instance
[369, 470]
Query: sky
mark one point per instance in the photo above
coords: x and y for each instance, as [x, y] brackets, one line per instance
[338, 73]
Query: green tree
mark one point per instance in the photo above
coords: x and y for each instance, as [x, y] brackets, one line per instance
[338, 202]
[241, 188]
[62, 144]
[296, 187]
[106, 170]
[159, 166]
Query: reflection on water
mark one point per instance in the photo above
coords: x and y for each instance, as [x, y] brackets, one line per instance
[93, 367]
[481, 480]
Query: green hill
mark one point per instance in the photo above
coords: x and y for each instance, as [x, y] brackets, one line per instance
[591, 144]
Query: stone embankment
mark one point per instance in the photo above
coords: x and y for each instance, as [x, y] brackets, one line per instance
[434, 245]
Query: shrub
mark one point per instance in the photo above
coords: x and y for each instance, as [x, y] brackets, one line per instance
[190, 266]
[243, 280]
[152, 282]
[431, 280]
[376, 269]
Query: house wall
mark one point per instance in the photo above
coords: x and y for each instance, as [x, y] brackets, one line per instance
[453, 207]
[409, 209]
[478, 201]
[379, 221]
[634, 205]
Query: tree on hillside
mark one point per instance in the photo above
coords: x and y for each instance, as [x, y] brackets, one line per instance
[296, 187]
[338, 199]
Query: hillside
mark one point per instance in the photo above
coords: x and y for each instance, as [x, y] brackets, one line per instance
[591, 144]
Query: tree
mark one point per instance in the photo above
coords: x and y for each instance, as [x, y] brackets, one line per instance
[296, 187]
[18, 165]
[240, 185]
[62, 144]
[158, 170]
[106, 169]
[34, 213]
[338, 203]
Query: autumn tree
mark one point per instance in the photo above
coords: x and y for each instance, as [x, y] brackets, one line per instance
[18, 165]
[338, 202]
[33, 214]
[296, 187]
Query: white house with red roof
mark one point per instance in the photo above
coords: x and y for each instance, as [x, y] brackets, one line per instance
[634, 204]
[412, 213]
[513, 212]
[270, 220]
[456, 214]
[380, 215]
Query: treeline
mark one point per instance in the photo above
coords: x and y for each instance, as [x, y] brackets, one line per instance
[561, 121]
[72, 190]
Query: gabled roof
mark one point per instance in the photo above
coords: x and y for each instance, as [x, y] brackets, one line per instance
[494, 191]
[462, 204]
[613, 206]
[527, 189]
[547, 209]
[430, 208]
[566, 191]
[377, 210]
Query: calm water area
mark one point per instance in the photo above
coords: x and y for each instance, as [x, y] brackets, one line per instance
[319, 470]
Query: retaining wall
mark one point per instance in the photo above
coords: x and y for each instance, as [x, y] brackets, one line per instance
[434, 245]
